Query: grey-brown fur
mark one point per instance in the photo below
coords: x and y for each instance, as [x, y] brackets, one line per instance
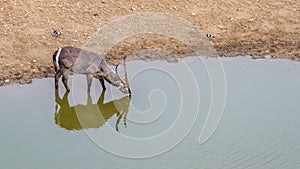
[79, 61]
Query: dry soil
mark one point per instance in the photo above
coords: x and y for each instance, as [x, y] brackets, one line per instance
[251, 27]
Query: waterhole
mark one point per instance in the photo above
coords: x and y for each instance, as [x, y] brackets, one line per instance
[258, 127]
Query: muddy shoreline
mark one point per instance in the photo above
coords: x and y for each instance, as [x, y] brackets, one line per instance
[49, 72]
[256, 28]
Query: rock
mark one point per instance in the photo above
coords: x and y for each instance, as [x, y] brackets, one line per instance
[251, 20]
[268, 57]
[27, 15]
[6, 81]
[221, 27]
[56, 32]
[209, 36]
[133, 8]
[34, 61]
[103, 1]
[22, 81]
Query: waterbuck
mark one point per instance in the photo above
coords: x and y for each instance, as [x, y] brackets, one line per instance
[69, 60]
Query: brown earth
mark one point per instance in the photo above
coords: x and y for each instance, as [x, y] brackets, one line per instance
[253, 27]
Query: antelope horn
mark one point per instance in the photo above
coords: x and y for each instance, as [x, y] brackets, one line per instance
[118, 74]
[125, 70]
[116, 69]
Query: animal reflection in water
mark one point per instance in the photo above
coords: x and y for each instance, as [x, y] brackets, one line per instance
[91, 115]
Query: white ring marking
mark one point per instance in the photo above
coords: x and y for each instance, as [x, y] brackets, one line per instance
[57, 57]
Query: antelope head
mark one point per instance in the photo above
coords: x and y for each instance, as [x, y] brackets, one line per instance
[123, 84]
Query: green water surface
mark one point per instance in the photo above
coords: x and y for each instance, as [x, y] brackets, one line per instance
[259, 128]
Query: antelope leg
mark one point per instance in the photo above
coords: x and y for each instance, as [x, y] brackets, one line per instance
[65, 77]
[57, 76]
[89, 79]
[102, 83]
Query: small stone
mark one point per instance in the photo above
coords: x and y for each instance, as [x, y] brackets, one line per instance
[27, 15]
[268, 57]
[174, 7]
[6, 81]
[251, 20]
[22, 82]
[103, 1]
[34, 61]
[221, 27]
[253, 57]
[133, 8]
[35, 71]
[193, 14]
[209, 36]
[56, 32]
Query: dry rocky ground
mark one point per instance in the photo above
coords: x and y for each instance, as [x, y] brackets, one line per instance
[253, 27]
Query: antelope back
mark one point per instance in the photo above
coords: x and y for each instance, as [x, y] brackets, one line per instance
[78, 60]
